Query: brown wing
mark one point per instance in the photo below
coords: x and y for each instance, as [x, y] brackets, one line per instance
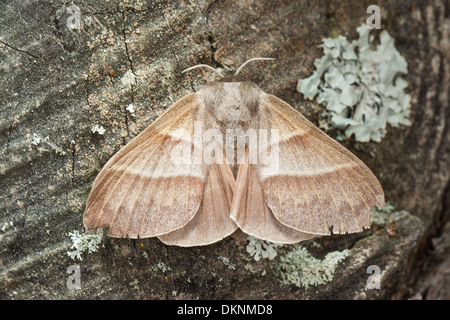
[318, 185]
[212, 222]
[140, 192]
[250, 211]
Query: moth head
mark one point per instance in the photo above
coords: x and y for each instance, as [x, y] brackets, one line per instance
[231, 99]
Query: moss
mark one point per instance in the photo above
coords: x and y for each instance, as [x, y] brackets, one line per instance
[300, 268]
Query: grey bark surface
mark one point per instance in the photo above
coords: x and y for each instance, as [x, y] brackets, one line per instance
[57, 84]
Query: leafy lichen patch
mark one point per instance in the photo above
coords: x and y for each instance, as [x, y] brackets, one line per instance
[300, 268]
[359, 86]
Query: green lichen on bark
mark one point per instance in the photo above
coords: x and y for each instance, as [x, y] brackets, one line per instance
[300, 268]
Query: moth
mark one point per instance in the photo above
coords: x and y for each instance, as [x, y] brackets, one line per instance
[231, 157]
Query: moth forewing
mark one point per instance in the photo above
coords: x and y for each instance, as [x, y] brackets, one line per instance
[269, 152]
[141, 192]
[320, 186]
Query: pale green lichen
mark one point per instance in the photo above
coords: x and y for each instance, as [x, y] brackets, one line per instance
[226, 261]
[131, 109]
[385, 215]
[134, 284]
[128, 79]
[359, 86]
[84, 242]
[382, 215]
[261, 249]
[162, 267]
[300, 268]
[98, 129]
[38, 140]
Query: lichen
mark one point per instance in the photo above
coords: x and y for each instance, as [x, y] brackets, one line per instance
[162, 267]
[359, 86]
[131, 109]
[134, 284]
[226, 261]
[98, 129]
[261, 249]
[38, 140]
[385, 215]
[84, 242]
[300, 268]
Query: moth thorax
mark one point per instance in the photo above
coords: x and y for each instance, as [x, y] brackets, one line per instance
[233, 104]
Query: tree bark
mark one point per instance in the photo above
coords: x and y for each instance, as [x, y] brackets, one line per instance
[57, 84]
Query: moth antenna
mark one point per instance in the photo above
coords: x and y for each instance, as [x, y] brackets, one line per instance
[203, 66]
[252, 59]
